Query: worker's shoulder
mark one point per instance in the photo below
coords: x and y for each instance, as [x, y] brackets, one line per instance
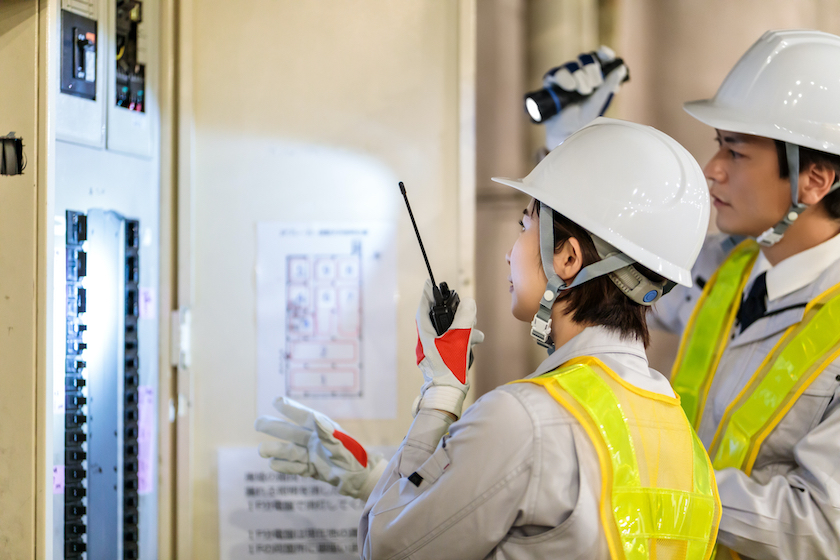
[828, 279]
[530, 400]
[716, 248]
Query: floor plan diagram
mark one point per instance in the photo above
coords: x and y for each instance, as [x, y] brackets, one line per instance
[326, 317]
[323, 350]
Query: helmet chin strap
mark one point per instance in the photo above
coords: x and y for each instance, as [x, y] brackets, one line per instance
[541, 325]
[777, 232]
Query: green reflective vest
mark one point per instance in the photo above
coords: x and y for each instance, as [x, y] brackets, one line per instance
[800, 355]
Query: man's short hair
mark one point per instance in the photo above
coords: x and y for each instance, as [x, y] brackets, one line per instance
[807, 157]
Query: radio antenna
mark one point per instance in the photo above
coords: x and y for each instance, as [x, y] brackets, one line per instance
[416, 231]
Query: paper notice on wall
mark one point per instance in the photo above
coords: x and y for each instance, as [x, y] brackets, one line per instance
[267, 515]
[326, 317]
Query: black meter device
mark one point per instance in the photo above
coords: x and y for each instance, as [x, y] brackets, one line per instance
[446, 301]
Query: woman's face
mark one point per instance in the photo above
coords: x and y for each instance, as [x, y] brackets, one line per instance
[527, 279]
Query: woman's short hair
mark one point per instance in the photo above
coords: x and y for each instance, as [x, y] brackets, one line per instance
[599, 301]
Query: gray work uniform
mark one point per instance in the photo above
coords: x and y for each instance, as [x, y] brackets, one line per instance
[516, 477]
[789, 507]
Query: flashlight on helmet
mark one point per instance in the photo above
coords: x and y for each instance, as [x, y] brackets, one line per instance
[543, 104]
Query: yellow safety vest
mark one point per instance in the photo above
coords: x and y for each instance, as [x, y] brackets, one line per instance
[706, 334]
[800, 355]
[658, 493]
[798, 358]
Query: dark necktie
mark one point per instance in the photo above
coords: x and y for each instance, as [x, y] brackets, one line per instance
[754, 305]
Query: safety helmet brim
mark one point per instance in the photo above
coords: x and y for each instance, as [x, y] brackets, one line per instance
[785, 87]
[709, 112]
[640, 254]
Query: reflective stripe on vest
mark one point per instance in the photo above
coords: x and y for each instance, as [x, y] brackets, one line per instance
[635, 516]
[800, 355]
[705, 336]
[798, 358]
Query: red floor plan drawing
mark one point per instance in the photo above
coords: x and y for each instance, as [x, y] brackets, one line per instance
[323, 350]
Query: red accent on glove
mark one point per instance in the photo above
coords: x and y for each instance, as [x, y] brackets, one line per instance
[419, 350]
[353, 447]
[453, 347]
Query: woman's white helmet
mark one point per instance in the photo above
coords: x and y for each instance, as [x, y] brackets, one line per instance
[640, 194]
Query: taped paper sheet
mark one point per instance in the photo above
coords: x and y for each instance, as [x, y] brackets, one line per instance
[326, 315]
[267, 515]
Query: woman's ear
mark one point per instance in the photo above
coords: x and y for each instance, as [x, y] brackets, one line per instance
[568, 260]
[815, 182]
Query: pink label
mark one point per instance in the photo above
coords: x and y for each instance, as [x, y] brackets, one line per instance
[148, 306]
[58, 479]
[145, 439]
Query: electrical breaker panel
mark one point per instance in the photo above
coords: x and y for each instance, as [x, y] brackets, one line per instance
[108, 60]
[102, 471]
[104, 324]
[76, 394]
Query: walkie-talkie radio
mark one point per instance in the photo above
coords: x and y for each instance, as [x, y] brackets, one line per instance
[446, 301]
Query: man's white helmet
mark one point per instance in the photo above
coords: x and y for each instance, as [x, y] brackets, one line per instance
[640, 194]
[787, 88]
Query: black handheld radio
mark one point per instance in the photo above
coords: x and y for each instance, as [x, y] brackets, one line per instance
[446, 301]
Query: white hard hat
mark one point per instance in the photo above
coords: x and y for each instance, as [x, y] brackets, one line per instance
[632, 186]
[786, 87]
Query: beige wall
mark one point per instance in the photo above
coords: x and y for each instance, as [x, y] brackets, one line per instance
[501, 150]
[19, 494]
[373, 81]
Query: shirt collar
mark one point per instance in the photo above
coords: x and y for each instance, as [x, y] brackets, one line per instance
[799, 270]
[592, 341]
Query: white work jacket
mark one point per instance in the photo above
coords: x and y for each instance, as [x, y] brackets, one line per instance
[515, 478]
[789, 507]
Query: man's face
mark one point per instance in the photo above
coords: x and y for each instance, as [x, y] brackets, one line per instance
[744, 184]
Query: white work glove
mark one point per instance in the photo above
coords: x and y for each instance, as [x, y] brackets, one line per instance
[444, 359]
[313, 445]
[584, 77]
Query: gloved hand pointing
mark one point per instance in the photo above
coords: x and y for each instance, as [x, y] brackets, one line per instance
[444, 359]
[313, 445]
[585, 77]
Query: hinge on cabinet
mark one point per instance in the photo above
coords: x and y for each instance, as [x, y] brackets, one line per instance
[179, 338]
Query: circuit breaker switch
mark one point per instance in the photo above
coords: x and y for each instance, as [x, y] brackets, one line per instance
[78, 55]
